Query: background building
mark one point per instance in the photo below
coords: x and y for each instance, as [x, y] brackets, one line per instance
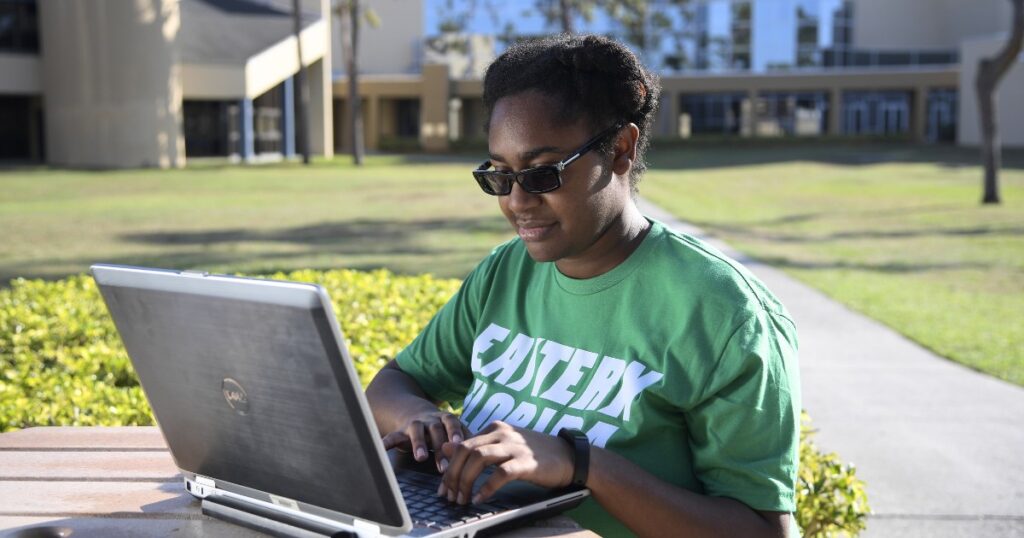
[110, 83]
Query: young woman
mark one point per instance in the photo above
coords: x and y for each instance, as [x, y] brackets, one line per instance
[674, 364]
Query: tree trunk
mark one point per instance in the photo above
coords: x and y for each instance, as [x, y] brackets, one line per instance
[990, 71]
[565, 14]
[301, 90]
[990, 146]
[355, 110]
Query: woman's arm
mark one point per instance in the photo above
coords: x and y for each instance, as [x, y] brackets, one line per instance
[644, 503]
[407, 417]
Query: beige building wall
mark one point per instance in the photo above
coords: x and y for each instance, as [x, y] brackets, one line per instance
[393, 47]
[111, 83]
[1009, 95]
[925, 24]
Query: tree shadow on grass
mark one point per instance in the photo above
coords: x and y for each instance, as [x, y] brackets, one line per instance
[359, 236]
[782, 262]
[682, 155]
[446, 247]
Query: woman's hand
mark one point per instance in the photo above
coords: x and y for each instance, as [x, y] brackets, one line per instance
[515, 453]
[427, 430]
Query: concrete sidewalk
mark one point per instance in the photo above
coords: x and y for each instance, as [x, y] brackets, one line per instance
[940, 446]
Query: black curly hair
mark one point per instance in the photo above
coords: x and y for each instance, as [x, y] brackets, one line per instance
[591, 77]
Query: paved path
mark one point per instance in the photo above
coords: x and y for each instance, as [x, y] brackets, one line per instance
[940, 446]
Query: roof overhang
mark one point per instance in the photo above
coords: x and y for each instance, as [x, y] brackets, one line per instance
[260, 72]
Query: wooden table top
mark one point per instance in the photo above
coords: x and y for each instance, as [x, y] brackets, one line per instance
[120, 481]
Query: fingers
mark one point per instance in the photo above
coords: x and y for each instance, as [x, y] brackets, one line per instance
[415, 432]
[438, 437]
[467, 460]
[396, 440]
[503, 474]
[467, 466]
[456, 430]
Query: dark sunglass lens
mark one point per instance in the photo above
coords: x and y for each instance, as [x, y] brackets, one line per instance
[494, 183]
[540, 180]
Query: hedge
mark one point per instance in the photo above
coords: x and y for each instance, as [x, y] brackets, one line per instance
[62, 363]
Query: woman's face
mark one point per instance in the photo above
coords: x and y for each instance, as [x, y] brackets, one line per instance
[574, 225]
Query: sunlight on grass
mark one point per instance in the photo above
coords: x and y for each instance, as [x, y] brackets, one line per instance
[903, 241]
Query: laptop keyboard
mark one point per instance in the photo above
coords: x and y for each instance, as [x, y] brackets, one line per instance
[427, 509]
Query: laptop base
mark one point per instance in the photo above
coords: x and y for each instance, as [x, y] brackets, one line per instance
[273, 527]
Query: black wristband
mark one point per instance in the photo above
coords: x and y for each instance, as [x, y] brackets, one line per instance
[580, 455]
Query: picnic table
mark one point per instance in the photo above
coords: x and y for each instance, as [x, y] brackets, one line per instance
[121, 481]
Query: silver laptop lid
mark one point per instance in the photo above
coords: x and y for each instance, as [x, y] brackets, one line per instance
[252, 386]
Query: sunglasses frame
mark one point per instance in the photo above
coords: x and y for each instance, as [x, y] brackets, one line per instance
[482, 173]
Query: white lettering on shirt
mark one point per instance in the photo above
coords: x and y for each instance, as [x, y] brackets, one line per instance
[493, 333]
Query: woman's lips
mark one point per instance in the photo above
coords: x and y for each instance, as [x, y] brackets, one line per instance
[533, 231]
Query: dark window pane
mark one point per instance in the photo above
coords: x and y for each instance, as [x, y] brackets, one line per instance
[15, 115]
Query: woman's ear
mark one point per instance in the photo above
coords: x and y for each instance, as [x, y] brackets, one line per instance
[625, 149]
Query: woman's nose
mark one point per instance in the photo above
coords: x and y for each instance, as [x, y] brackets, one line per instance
[519, 199]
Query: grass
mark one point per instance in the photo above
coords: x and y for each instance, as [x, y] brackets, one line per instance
[409, 214]
[893, 231]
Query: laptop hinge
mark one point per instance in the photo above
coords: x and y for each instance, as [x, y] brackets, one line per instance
[200, 486]
[365, 528]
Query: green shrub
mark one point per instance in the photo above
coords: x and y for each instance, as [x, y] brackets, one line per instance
[62, 363]
[830, 499]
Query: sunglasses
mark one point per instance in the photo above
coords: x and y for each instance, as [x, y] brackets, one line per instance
[536, 180]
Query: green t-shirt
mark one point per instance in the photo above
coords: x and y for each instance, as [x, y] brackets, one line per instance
[678, 359]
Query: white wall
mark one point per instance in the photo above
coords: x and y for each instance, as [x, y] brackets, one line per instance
[925, 24]
[1009, 95]
[393, 47]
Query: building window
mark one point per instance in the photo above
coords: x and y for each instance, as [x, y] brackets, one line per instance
[792, 114]
[407, 118]
[206, 126]
[942, 115]
[876, 113]
[740, 46]
[712, 113]
[19, 26]
[268, 121]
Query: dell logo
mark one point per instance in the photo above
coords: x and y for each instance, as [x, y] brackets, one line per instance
[235, 395]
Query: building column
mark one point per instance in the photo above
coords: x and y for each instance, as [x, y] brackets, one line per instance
[434, 108]
[673, 114]
[919, 114]
[321, 108]
[748, 114]
[835, 109]
[372, 122]
[288, 117]
[111, 84]
[247, 143]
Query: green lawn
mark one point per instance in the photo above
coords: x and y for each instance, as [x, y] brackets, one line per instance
[409, 214]
[892, 231]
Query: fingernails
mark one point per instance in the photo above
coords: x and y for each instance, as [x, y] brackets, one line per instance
[462, 498]
[444, 465]
[476, 498]
[456, 438]
[421, 454]
[451, 496]
[441, 490]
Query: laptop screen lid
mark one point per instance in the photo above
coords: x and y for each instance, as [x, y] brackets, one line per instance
[252, 387]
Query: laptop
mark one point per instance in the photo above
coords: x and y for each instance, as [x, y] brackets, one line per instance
[261, 407]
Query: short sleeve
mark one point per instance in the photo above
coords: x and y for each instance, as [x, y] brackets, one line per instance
[439, 358]
[744, 432]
